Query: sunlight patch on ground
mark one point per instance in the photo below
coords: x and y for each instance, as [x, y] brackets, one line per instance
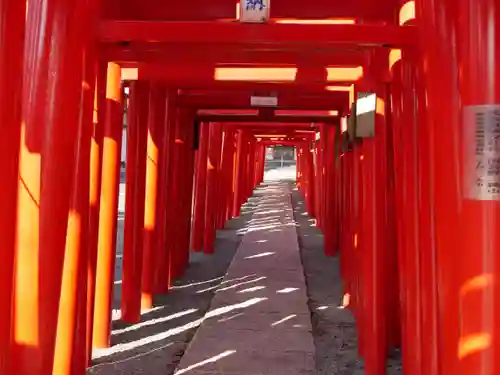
[205, 362]
[289, 317]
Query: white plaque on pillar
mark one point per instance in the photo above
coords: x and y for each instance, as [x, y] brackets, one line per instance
[263, 101]
[254, 11]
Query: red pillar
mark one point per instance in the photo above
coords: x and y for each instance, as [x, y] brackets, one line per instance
[298, 167]
[318, 172]
[226, 170]
[239, 172]
[200, 189]
[231, 172]
[311, 183]
[330, 224]
[186, 193]
[428, 265]
[52, 77]
[478, 237]
[135, 177]
[181, 166]
[355, 238]
[108, 212]
[157, 103]
[70, 350]
[409, 248]
[251, 167]
[213, 169]
[12, 19]
[438, 42]
[173, 217]
[96, 153]
[263, 165]
[164, 206]
[374, 229]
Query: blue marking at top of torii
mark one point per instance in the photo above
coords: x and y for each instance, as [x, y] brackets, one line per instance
[253, 4]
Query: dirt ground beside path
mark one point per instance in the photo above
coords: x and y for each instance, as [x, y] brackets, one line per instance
[156, 345]
[334, 328]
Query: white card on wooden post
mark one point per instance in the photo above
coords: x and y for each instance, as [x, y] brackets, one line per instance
[254, 11]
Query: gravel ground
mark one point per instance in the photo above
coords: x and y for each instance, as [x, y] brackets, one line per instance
[334, 328]
[156, 345]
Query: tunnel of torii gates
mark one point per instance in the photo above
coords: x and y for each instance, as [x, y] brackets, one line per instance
[412, 208]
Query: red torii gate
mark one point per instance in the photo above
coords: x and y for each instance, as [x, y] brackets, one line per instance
[58, 223]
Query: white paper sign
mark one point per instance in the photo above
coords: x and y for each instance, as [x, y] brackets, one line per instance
[254, 11]
[263, 101]
[481, 137]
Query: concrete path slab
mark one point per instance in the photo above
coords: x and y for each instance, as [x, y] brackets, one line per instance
[259, 322]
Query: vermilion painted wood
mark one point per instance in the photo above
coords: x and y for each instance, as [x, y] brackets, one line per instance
[156, 127]
[311, 183]
[319, 179]
[445, 118]
[96, 153]
[355, 166]
[239, 172]
[278, 118]
[179, 212]
[330, 232]
[194, 53]
[263, 163]
[70, 349]
[246, 170]
[12, 22]
[230, 174]
[200, 189]
[133, 243]
[477, 242]
[186, 194]
[88, 116]
[226, 176]
[375, 232]
[213, 173]
[239, 100]
[251, 168]
[404, 127]
[161, 271]
[198, 10]
[52, 74]
[203, 77]
[108, 213]
[429, 272]
[206, 87]
[173, 207]
[259, 163]
[247, 34]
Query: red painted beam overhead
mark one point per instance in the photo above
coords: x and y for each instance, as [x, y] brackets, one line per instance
[202, 76]
[254, 118]
[265, 88]
[275, 130]
[284, 142]
[252, 34]
[231, 54]
[232, 100]
[248, 87]
[226, 9]
[266, 125]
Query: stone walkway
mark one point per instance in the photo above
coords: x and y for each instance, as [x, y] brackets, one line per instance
[259, 322]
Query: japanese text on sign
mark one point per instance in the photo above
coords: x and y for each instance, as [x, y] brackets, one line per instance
[255, 4]
[254, 11]
[482, 152]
